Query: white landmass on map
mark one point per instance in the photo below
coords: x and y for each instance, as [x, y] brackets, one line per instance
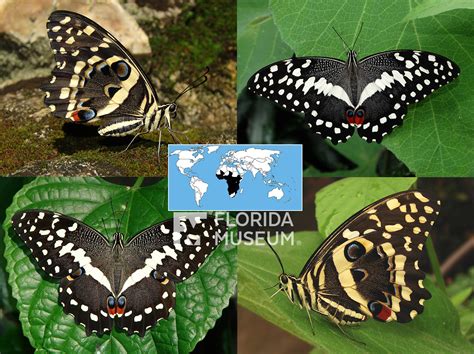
[276, 193]
[211, 149]
[252, 160]
[199, 187]
[187, 159]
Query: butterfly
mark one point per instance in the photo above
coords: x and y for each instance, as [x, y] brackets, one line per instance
[130, 284]
[96, 78]
[371, 94]
[369, 266]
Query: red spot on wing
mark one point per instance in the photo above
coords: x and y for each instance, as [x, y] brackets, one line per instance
[75, 116]
[384, 314]
[111, 311]
[120, 311]
[358, 121]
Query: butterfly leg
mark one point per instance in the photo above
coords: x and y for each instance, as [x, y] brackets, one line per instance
[335, 320]
[310, 321]
[174, 134]
[130, 143]
[159, 146]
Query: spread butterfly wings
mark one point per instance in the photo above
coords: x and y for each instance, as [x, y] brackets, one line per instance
[132, 284]
[371, 95]
[96, 77]
[369, 266]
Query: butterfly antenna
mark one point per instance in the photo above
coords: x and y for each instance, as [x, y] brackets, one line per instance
[357, 37]
[271, 287]
[105, 228]
[197, 82]
[276, 254]
[276, 292]
[114, 215]
[342, 39]
[121, 218]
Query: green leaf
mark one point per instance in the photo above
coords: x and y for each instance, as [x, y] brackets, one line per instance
[438, 133]
[461, 296]
[258, 40]
[436, 329]
[434, 7]
[200, 299]
[364, 155]
[340, 200]
[458, 291]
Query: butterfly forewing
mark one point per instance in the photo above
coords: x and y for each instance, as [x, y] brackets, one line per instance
[370, 264]
[57, 242]
[192, 238]
[96, 77]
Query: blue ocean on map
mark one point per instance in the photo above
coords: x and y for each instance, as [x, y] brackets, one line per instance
[221, 177]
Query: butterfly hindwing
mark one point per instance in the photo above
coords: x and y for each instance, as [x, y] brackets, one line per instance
[370, 264]
[86, 299]
[392, 80]
[95, 77]
[144, 311]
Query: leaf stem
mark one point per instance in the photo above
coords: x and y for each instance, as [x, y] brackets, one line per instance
[138, 183]
[435, 264]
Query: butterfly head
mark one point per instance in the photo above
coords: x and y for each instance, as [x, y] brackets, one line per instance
[169, 112]
[118, 241]
[287, 283]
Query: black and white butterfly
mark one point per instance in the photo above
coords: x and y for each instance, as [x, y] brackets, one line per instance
[132, 284]
[369, 266]
[371, 94]
[97, 78]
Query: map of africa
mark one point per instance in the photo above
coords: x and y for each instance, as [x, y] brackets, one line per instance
[235, 177]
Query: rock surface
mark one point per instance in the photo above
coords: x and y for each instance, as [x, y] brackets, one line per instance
[24, 46]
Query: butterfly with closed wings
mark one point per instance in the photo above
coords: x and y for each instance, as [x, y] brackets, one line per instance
[369, 266]
[96, 78]
[371, 94]
[132, 285]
